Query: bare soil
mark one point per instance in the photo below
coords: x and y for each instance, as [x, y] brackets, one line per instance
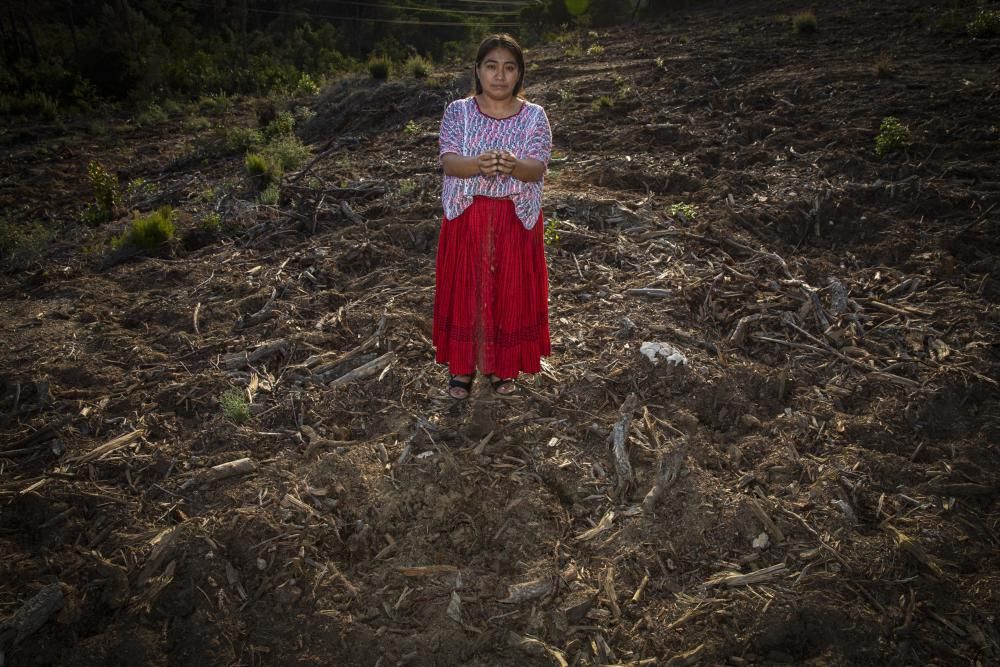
[832, 431]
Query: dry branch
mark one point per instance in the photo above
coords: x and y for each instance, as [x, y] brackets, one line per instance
[266, 312]
[769, 526]
[240, 360]
[109, 446]
[667, 470]
[365, 371]
[756, 577]
[540, 587]
[618, 437]
[29, 617]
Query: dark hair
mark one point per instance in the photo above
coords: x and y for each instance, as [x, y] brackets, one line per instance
[500, 41]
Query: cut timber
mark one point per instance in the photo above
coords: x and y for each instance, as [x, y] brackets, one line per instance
[110, 446]
[240, 360]
[365, 371]
[618, 437]
[756, 577]
[667, 471]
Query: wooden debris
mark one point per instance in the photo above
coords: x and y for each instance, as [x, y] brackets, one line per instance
[110, 446]
[650, 292]
[602, 525]
[667, 470]
[760, 576]
[739, 334]
[692, 657]
[913, 549]
[29, 617]
[536, 647]
[161, 544]
[540, 587]
[239, 360]
[772, 528]
[266, 312]
[618, 438]
[426, 570]
[364, 371]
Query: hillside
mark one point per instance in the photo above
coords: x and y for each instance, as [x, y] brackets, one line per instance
[820, 453]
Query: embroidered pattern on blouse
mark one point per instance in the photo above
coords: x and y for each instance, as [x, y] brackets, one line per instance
[467, 131]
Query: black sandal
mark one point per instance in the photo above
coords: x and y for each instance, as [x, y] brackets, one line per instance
[464, 385]
[499, 382]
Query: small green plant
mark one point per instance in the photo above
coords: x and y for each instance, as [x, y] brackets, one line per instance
[550, 233]
[574, 51]
[153, 115]
[107, 195]
[986, 24]
[380, 67]
[20, 241]
[238, 139]
[411, 127]
[235, 406]
[285, 154]
[686, 212]
[682, 40]
[418, 67]
[212, 223]
[270, 194]
[283, 125]
[804, 23]
[148, 232]
[592, 34]
[659, 62]
[603, 103]
[533, 67]
[306, 86]
[892, 136]
[407, 187]
[884, 68]
[565, 95]
[257, 167]
[595, 50]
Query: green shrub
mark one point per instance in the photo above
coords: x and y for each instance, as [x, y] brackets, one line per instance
[574, 51]
[259, 169]
[20, 241]
[603, 102]
[550, 234]
[235, 406]
[380, 67]
[148, 232]
[418, 67]
[153, 115]
[804, 23]
[239, 139]
[285, 154]
[411, 127]
[107, 195]
[986, 24]
[306, 86]
[893, 135]
[595, 50]
[283, 125]
[270, 194]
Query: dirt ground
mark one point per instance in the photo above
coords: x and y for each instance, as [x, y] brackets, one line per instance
[827, 424]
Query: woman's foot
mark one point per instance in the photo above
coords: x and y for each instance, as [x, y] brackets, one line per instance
[503, 386]
[460, 386]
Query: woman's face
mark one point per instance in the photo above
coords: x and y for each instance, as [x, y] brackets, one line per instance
[498, 73]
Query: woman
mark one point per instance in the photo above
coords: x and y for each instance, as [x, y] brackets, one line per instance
[491, 299]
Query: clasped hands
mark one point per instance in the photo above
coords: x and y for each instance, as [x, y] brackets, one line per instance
[496, 163]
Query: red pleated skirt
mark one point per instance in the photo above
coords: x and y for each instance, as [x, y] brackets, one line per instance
[491, 310]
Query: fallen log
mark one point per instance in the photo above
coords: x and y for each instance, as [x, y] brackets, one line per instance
[618, 437]
[667, 470]
[364, 371]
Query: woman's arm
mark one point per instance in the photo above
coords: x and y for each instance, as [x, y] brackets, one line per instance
[488, 164]
[528, 170]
